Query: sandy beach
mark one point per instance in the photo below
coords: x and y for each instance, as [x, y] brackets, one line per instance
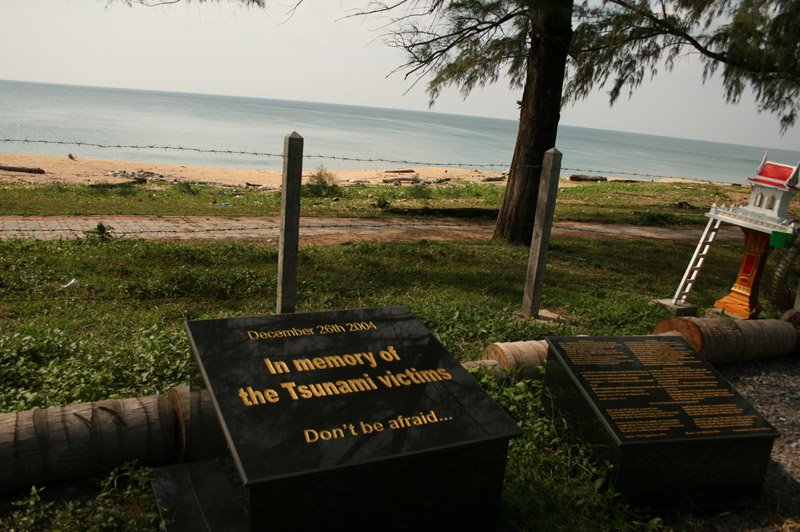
[90, 171]
[86, 171]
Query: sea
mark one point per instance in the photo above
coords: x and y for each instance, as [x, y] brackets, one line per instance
[242, 132]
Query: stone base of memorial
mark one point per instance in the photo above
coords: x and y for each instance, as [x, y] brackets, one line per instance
[353, 419]
[672, 427]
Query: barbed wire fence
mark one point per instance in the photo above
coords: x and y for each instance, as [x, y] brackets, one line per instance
[323, 157]
[266, 228]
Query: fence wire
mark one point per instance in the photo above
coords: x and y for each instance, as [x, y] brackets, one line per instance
[225, 151]
[324, 157]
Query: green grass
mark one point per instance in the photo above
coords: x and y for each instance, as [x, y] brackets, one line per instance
[642, 203]
[320, 198]
[118, 333]
[124, 282]
[645, 203]
[179, 199]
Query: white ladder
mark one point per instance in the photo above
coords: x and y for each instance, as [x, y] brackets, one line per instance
[697, 261]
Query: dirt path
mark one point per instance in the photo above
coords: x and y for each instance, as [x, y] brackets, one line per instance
[314, 230]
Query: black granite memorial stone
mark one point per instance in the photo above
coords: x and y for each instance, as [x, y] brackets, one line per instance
[669, 423]
[355, 418]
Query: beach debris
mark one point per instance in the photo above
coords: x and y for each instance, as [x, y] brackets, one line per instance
[25, 169]
[221, 203]
[139, 176]
[258, 186]
[590, 178]
[493, 178]
[416, 180]
[400, 171]
[73, 283]
[72, 157]
[401, 180]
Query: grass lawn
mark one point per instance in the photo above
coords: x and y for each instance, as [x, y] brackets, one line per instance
[119, 332]
[644, 203]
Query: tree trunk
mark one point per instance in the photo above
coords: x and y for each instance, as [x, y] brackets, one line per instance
[540, 111]
[779, 294]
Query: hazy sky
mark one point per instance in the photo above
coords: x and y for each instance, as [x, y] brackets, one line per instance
[318, 56]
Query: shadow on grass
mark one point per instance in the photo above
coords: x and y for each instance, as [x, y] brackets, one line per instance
[465, 213]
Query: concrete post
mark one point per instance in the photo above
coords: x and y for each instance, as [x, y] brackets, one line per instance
[290, 223]
[542, 226]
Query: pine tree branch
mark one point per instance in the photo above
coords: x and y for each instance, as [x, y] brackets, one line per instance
[694, 42]
[437, 47]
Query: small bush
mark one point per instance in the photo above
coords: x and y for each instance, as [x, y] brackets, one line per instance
[184, 187]
[384, 199]
[321, 184]
[419, 192]
[101, 233]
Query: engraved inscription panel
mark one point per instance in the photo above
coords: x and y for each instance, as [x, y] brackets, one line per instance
[656, 387]
[307, 392]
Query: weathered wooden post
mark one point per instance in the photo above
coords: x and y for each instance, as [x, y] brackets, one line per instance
[290, 223]
[542, 226]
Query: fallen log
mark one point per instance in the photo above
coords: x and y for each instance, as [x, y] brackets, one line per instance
[25, 169]
[527, 356]
[588, 178]
[47, 444]
[399, 180]
[729, 341]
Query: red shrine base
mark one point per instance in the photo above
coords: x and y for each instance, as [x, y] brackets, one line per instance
[743, 298]
[739, 305]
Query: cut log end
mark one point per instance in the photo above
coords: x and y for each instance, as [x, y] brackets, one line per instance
[686, 328]
[527, 356]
